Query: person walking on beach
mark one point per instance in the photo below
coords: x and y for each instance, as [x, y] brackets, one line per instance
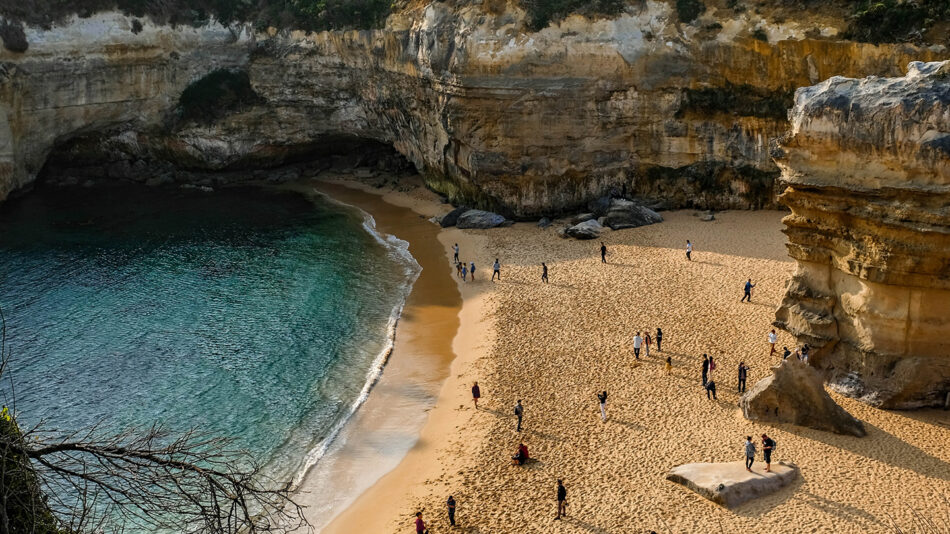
[646, 343]
[603, 252]
[743, 372]
[496, 270]
[659, 340]
[711, 388]
[471, 270]
[458, 269]
[456, 249]
[464, 273]
[749, 453]
[450, 504]
[773, 337]
[637, 342]
[669, 365]
[768, 445]
[705, 369]
[689, 250]
[602, 397]
[420, 524]
[561, 500]
[544, 273]
[476, 394]
[748, 290]
[519, 412]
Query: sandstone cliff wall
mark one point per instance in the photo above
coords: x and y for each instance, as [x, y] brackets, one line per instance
[867, 170]
[528, 123]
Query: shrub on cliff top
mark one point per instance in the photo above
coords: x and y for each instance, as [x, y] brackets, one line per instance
[14, 38]
[213, 96]
[688, 10]
[541, 13]
[890, 21]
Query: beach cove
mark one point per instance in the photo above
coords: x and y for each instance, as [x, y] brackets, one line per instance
[555, 346]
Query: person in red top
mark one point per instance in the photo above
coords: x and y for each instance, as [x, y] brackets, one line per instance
[420, 524]
[520, 457]
[476, 394]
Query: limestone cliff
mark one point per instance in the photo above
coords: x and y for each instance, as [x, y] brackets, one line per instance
[866, 167]
[493, 115]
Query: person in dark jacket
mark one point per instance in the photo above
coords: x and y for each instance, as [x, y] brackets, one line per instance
[768, 445]
[659, 340]
[743, 372]
[561, 500]
[705, 369]
[450, 504]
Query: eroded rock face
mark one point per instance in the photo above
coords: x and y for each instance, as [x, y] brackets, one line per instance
[495, 117]
[866, 168]
[795, 393]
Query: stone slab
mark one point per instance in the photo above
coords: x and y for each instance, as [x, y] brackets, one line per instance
[729, 484]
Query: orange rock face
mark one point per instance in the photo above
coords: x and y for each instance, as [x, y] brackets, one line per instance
[867, 173]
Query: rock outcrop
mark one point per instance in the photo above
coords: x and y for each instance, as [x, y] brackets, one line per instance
[494, 116]
[479, 219]
[866, 171]
[626, 214]
[589, 229]
[795, 393]
[729, 484]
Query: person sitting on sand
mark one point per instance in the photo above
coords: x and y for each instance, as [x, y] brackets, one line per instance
[561, 500]
[659, 340]
[544, 273]
[602, 397]
[768, 445]
[669, 366]
[521, 455]
[646, 343]
[749, 453]
[476, 394]
[711, 388]
[471, 270]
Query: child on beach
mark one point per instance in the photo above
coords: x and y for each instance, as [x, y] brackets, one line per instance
[476, 394]
[544, 273]
[768, 445]
[669, 366]
[450, 504]
[646, 343]
[472, 271]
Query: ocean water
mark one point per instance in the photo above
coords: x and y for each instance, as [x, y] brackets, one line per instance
[259, 315]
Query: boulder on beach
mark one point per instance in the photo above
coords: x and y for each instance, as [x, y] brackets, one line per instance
[729, 484]
[582, 218]
[626, 214]
[451, 218]
[479, 219]
[544, 222]
[795, 393]
[589, 229]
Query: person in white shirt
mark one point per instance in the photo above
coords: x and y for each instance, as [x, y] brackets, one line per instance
[637, 342]
[689, 250]
[496, 270]
[456, 249]
[772, 339]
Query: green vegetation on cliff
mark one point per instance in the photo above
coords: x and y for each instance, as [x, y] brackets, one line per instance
[889, 21]
[543, 12]
[297, 14]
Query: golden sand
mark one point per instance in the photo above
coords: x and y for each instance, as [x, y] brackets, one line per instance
[556, 345]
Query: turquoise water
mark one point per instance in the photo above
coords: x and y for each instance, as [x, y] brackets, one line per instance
[246, 313]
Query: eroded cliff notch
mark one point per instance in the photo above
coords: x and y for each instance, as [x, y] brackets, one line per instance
[867, 170]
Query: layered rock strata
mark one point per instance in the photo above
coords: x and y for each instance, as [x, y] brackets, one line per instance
[866, 170]
[493, 115]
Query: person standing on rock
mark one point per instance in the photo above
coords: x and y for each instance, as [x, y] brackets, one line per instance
[544, 273]
[603, 252]
[456, 249]
[496, 270]
[561, 500]
[637, 342]
[749, 453]
[659, 340]
[786, 353]
[602, 397]
[705, 369]
[647, 342]
[471, 270]
[748, 291]
[743, 373]
[768, 445]
[476, 394]
[450, 504]
[519, 413]
[773, 337]
[689, 250]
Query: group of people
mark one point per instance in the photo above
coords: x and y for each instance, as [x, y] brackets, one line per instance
[768, 445]
[464, 271]
[645, 341]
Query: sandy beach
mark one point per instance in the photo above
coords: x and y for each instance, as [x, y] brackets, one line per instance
[556, 345]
